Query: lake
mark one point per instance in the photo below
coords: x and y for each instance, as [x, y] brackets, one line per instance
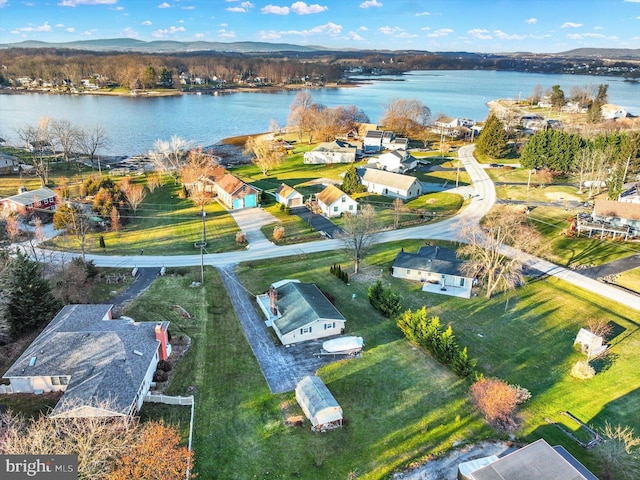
[134, 123]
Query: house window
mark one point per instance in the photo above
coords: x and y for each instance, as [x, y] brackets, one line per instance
[344, 199]
[305, 330]
[350, 207]
[55, 381]
[328, 326]
[462, 282]
[408, 271]
[335, 209]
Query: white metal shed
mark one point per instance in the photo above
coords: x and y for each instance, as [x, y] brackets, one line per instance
[318, 404]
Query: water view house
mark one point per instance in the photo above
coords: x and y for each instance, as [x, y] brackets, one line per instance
[299, 312]
[26, 202]
[104, 366]
[333, 202]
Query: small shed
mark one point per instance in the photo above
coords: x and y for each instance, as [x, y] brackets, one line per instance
[591, 344]
[318, 404]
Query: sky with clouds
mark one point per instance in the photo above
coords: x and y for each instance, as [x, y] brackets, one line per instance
[436, 25]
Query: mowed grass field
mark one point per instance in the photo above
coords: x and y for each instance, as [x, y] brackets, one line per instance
[400, 405]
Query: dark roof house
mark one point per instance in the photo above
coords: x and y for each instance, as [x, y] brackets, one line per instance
[103, 366]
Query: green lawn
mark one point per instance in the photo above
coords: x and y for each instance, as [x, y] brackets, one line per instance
[399, 404]
[570, 251]
[630, 279]
[164, 224]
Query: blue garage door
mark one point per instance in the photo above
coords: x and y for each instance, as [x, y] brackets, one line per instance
[251, 201]
[237, 203]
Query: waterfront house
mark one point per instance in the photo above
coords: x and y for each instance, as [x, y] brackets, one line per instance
[390, 184]
[331, 152]
[236, 194]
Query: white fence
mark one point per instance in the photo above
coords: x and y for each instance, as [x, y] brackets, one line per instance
[169, 400]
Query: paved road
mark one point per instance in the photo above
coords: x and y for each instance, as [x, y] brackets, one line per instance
[484, 197]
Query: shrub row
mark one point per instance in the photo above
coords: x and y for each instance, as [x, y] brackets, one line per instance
[429, 333]
[385, 300]
[338, 272]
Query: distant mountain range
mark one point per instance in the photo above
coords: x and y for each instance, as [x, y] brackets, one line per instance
[167, 46]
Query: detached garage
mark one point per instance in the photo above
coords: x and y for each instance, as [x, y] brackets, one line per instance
[318, 404]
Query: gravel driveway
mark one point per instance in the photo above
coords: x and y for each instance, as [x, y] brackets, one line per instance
[282, 367]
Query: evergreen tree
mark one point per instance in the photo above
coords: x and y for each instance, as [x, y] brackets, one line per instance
[351, 182]
[557, 97]
[32, 302]
[492, 140]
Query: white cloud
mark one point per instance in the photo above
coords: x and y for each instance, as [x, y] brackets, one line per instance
[479, 34]
[328, 28]
[147, 23]
[129, 33]
[88, 33]
[422, 14]
[387, 30]
[275, 10]
[165, 32]
[45, 27]
[532, 21]
[199, 35]
[571, 25]
[164, 5]
[598, 27]
[225, 34]
[370, 3]
[224, 25]
[269, 35]
[425, 28]
[117, 9]
[406, 35]
[363, 29]
[354, 36]
[441, 32]
[3, 3]
[70, 29]
[632, 1]
[190, 7]
[508, 36]
[74, 3]
[302, 8]
[243, 8]
[582, 36]
[59, 25]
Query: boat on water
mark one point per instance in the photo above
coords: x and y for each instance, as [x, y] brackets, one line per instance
[343, 345]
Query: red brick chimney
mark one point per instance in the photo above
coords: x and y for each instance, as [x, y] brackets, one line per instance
[273, 296]
[163, 337]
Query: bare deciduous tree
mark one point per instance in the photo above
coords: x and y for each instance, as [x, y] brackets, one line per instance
[406, 116]
[153, 182]
[497, 400]
[300, 112]
[398, 207]
[169, 156]
[38, 141]
[135, 195]
[91, 140]
[267, 154]
[495, 252]
[619, 453]
[66, 137]
[359, 234]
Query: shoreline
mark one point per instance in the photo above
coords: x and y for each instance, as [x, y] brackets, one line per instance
[177, 93]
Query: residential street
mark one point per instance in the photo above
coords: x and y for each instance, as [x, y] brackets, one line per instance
[484, 196]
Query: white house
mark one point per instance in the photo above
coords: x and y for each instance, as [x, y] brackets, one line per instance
[373, 140]
[390, 184]
[104, 366]
[299, 312]
[618, 214]
[331, 152]
[333, 202]
[611, 112]
[396, 161]
[437, 268]
[288, 196]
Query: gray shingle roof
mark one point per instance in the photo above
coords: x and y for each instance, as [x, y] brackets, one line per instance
[97, 354]
[28, 198]
[300, 304]
[431, 259]
[388, 179]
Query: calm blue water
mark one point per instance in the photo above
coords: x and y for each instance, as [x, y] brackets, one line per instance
[134, 124]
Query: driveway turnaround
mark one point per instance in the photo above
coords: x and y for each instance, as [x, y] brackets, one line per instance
[282, 367]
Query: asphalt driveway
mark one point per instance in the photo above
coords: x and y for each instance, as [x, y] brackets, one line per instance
[318, 222]
[282, 367]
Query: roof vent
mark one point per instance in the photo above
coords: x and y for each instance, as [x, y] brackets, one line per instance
[32, 362]
[137, 352]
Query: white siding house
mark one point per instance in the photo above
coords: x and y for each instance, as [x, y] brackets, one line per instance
[390, 184]
[299, 312]
[396, 161]
[288, 196]
[334, 202]
[331, 152]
